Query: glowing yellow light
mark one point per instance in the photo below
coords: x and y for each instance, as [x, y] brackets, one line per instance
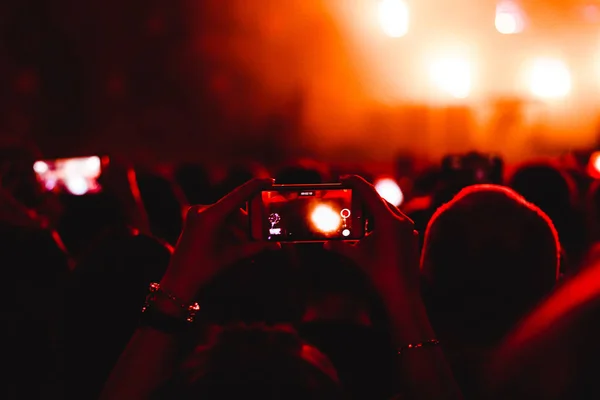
[325, 219]
[40, 167]
[452, 75]
[549, 78]
[393, 17]
[509, 19]
[389, 190]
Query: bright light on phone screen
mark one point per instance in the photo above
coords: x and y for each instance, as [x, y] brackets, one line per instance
[305, 215]
[77, 176]
[325, 219]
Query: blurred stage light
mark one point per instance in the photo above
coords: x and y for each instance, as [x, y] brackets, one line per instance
[594, 165]
[76, 185]
[87, 167]
[40, 167]
[597, 162]
[591, 13]
[92, 166]
[509, 18]
[549, 78]
[393, 17]
[389, 190]
[452, 75]
[50, 184]
[325, 219]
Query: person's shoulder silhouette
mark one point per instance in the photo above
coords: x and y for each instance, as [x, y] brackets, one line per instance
[35, 269]
[106, 293]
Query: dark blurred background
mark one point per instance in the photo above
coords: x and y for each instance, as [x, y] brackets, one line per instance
[194, 97]
[216, 80]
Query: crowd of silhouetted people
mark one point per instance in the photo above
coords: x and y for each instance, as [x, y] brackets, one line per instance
[153, 289]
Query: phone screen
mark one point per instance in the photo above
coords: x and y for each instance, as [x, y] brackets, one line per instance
[77, 176]
[300, 214]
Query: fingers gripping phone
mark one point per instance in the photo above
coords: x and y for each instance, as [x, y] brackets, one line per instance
[306, 213]
[76, 176]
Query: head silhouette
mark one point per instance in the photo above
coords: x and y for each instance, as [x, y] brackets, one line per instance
[17, 176]
[345, 318]
[555, 192]
[302, 172]
[256, 362]
[85, 218]
[553, 353]
[593, 211]
[162, 204]
[488, 257]
[237, 174]
[545, 185]
[195, 183]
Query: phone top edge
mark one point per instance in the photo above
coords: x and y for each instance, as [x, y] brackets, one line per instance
[102, 158]
[307, 185]
[316, 241]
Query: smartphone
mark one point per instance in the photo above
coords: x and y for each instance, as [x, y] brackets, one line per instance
[77, 176]
[306, 213]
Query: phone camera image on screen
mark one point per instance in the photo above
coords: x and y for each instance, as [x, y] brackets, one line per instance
[77, 176]
[308, 215]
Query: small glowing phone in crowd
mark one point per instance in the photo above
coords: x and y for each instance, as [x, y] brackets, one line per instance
[76, 176]
[306, 213]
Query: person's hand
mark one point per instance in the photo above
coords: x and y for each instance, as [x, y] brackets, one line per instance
[119, 179]
[389, 254]
[15, 213]
[213, 237]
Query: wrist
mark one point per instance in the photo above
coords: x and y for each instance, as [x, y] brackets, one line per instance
[165, 312]
[186, 279]
[408, 318]
[393, 287]
[183, 290]
[411, 325]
